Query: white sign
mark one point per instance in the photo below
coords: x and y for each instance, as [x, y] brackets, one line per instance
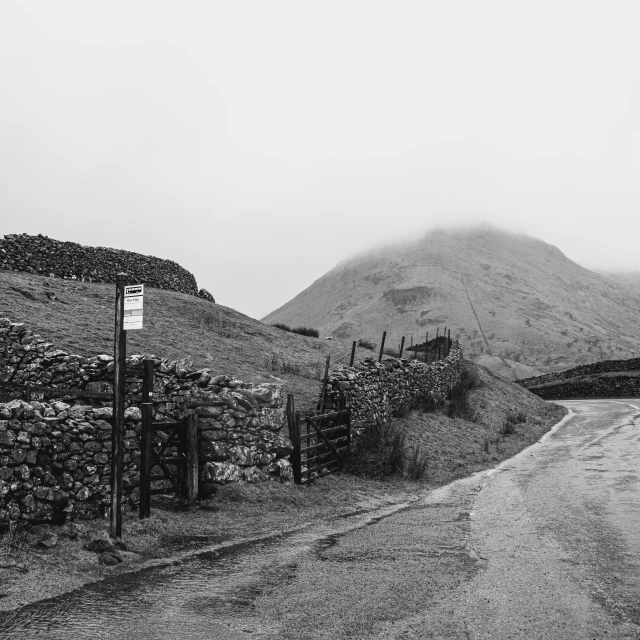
[133, 299]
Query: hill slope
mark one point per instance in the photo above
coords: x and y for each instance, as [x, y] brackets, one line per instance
[78, 317]
[504, 295]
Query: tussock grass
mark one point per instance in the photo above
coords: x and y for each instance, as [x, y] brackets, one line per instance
[512, 419]
[459, 401]
[381, 451]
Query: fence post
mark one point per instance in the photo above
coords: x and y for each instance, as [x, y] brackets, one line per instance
[384, 337]
[320, 406]
[426, 348]
[144, 510]
[117, 429]
[449, 343]
[353, 353]
[193, 470]
[293, 420]
[401, 346]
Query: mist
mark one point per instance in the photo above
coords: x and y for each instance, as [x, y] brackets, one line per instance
[258, 144]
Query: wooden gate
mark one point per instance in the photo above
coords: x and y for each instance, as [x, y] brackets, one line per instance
[320, 442]
[168, 452]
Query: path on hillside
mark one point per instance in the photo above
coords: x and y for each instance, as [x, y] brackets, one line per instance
[545, 546]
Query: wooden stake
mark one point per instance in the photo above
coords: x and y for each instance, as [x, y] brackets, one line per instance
[320, 406]
[192, 458]
[353, 353]
[293, 421]
[144, 510]
[426, 348]
[117, 432]
[401, 346]
[384, 337]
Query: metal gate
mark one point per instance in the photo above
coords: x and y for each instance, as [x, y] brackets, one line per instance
[320, 442]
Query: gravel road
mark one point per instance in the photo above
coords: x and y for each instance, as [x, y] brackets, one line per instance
[547, 545]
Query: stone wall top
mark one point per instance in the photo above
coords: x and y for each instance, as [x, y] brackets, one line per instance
[46, 256]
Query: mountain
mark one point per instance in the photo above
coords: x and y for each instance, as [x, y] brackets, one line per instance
[513, 298]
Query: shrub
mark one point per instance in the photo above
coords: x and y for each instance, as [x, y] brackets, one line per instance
[306, 331]
[303, 331]
[366, 344]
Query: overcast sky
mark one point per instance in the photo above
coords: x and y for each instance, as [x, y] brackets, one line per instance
[258, 143]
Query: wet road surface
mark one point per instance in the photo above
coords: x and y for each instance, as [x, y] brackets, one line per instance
[547, 545]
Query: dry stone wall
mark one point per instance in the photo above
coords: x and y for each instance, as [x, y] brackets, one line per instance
[606, 379]
[378, 391]
[55, 454]
[604, 366]
[46, 256]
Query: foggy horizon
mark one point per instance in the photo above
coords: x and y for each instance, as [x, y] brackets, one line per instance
[260, 144]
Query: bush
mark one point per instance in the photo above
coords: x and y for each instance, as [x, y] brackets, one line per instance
[459, 406]
[365, 344]
[306, 331]
[303, 331]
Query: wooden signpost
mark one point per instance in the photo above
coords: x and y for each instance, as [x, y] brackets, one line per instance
[128, 298]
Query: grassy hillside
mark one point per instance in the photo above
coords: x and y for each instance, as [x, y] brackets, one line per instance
[507, 296]
[499, 419]
[78, 317]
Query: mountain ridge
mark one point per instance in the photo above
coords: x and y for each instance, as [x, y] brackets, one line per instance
[504, 295]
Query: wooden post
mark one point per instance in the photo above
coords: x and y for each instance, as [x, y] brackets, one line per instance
[384, 337]
[144, 510]
[353, 353]
[426, 348]
[193, 469]
[320, 406]
[411, 349]
[293, 420]
[449, 343]
[117, 432]
[401, 346]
